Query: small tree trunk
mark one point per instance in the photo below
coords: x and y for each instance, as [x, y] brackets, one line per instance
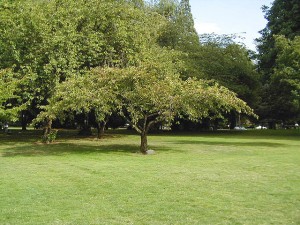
[24, 126]
[100, 129]
[86, 129]
[216, 123]
[47, 128]
[272, 125]
[144, 143]
[232, 120]
[23, 121]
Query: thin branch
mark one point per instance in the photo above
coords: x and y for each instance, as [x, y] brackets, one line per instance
[135, 126]
[149, 125]
[153, 114]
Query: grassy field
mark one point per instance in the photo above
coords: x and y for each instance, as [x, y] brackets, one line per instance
[249, 177]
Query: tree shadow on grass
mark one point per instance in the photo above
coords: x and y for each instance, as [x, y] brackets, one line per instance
[232, 134]
[20, 137]
[60, 149]
[27, 147]
[29, 136]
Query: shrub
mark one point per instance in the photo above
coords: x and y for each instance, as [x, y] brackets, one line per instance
[49, 138]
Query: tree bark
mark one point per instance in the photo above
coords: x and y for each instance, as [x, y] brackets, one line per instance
[23, 121]
[47, 128]
[144, 143]
[143, 131]
[86, 129]
[100, 129]
[232, 120]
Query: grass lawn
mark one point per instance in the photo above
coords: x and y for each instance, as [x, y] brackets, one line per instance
[249, 177]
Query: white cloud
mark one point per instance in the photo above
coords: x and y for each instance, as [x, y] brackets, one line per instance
[202, 28]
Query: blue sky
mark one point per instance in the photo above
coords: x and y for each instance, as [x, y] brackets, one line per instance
[243, 17]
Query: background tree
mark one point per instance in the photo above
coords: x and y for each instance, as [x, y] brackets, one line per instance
[222, 59]
[50, 44]
[217, 57]
[47, 42]
[92, 93]
[283, 19]
[179, 32]
[284, 86]
[8, 85]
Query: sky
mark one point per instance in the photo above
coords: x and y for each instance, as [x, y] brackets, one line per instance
[242, 17]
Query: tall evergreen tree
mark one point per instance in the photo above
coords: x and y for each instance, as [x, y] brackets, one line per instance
[283, 19]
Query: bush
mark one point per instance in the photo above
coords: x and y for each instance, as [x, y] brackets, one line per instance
[49, 138]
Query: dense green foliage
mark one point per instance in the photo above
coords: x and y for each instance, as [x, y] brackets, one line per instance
[140, 50]
[283, 99]
[222, 59]
[55, 47]
[8, 85]
[46, 42]
[145, 95]
[279, 62]
[283, 19]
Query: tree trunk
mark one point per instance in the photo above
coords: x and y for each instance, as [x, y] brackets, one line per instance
[216, 124]
[47, 128]
[86, 129]
[24, 126]
[100, 129]
[232, 120]
[144, 143]
[23, 121]
[272, 125]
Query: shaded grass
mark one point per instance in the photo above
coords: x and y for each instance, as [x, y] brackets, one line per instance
[204, 178]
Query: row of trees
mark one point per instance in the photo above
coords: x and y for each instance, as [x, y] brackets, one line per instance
[141, 60]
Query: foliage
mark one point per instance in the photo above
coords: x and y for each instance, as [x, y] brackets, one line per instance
[146, 94]
[47, 42]
[223, 59]
[154, 93]
[284, 86]
[179, 33]
[220, 58]
[49, 137]
[85, 94]
[8, 85]
[140, 51]
[283, 19]
[279, 96]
